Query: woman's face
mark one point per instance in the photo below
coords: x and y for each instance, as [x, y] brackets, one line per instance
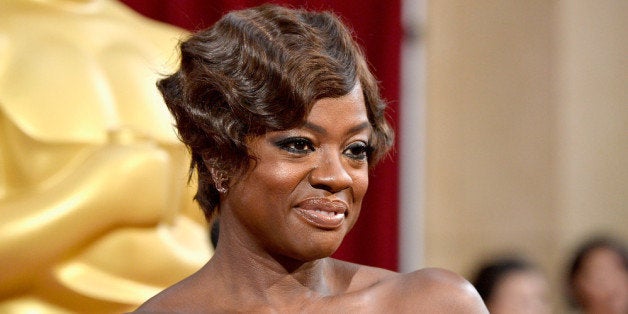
[303, 192]
[603, 281]
[521, 292]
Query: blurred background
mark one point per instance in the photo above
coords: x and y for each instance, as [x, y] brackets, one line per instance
[526, 129]
[512, 121]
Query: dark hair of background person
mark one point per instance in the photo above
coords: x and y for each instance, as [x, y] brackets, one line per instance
[490, 274]
[583, 251]
[237, 76]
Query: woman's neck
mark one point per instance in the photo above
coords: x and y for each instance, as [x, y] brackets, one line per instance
[249, 275]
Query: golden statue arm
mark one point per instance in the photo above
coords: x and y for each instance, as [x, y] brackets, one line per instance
[101, 193]
[93, 196]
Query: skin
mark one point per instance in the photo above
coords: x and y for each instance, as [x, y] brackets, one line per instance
[602, 283]
[521, 292]
[271, 259]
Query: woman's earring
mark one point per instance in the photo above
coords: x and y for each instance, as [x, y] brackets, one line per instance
[222, 187]
[220, 181]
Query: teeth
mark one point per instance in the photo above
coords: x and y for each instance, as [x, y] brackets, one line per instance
[330, 214]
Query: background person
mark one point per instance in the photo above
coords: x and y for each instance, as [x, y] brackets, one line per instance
[512, 285]
[598, 277]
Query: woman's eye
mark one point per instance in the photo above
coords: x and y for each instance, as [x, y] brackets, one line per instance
[296, 145]
[358, 151]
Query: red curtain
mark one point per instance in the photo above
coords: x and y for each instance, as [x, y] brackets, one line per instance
[377, 25]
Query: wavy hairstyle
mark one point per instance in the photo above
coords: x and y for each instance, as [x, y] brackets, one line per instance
[260, 70]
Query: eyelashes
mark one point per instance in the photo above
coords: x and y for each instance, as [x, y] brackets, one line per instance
[358, 150]
[296, 145]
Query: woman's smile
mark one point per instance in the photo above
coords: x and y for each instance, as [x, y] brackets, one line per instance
[322, 212]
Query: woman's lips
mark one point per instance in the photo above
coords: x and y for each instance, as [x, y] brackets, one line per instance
[322, 213]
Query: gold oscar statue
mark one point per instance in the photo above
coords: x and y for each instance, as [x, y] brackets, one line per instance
[95, 212]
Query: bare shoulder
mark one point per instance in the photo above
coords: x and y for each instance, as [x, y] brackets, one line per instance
[432, 290]
[167, 301]
[183, 297]
[356, 277]
[429, 290]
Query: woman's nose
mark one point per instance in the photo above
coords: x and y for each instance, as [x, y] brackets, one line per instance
[330, 173]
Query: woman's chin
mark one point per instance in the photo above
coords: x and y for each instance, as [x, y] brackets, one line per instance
[312, 252]
[323, 252]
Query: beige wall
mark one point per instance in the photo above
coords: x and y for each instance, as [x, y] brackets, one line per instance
[592, 124]
[527, 128]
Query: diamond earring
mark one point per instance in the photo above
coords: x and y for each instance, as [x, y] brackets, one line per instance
[220, 180]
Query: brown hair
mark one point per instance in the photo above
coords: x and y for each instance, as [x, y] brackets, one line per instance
[259, 70]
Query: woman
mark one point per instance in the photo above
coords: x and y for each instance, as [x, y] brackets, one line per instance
[512, 285]
[283, 119]
[598, 277]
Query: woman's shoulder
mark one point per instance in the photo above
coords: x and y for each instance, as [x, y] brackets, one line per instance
[433, 290]
[429, 290]
[359, 276]
[182, 297]
[167, 301]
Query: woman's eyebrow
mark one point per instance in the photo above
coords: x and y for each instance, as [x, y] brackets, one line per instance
[359, 127]
[321, 130]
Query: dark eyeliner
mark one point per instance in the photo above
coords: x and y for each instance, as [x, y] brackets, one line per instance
[364, 151]
[291, 144]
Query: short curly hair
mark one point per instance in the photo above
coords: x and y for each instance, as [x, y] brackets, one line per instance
[259, 70]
